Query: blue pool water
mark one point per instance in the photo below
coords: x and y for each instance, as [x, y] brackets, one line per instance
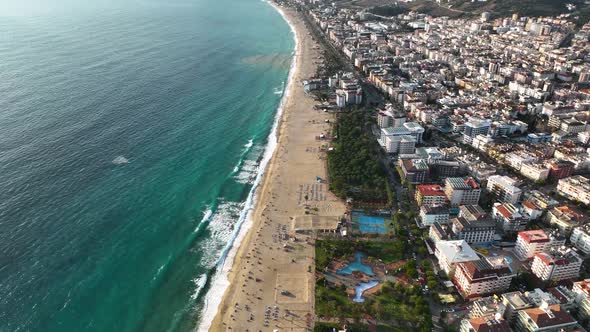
[372, 224]
[357, 265]
[361, 288]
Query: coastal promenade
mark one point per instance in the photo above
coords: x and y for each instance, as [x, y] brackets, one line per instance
[272, 278]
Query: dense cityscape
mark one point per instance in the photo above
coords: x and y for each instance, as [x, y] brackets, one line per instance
[461, 148]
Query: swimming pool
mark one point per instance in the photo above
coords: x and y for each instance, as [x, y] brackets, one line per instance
[361, 288]
[357, 265]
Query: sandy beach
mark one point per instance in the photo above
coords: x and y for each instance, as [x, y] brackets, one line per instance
[272, 280]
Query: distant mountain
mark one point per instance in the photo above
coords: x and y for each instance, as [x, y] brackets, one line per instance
[498, 8]
[522, 7]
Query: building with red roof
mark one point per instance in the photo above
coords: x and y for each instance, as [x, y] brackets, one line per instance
[509, 217]
[565, 218]
[430, 195]
[485, 324]
[528, 243]
[545, 318]
[486, 276]
[557, 264]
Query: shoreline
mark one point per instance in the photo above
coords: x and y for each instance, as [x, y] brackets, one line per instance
[263, 264]
[221, 279]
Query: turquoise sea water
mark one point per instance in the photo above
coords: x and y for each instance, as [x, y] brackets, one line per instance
[130, 132]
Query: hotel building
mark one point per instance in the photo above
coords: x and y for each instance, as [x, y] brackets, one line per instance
[462, 191]
[576, 188]
[504, 188]
[430, 195]
[556, 265]
[486, 276]
[529, 243]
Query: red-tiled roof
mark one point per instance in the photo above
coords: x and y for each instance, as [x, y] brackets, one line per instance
[534, 236]
[430, 190]
[503, 211]
[488, 324]
[543, 319]
[530, 205]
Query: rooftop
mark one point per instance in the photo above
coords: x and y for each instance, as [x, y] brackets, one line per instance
[483, 269]
[430, 190]
[517, 300]
[583, 286]
[534, 236]
[462, 183]
[562, 256]
[551, 316]
[434, 209]
[456, 251]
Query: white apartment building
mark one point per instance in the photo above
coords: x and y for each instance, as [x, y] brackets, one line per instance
[556, 265]
[509, 218]
[535, 171]
[488, 306]
[514, 302]
[565, 218]
[385, 119]
[474, 127]
[481, 142]
[398, 144]
[546, 318]
[462, 191]
[389, 117]
[451, 253]
[474, 231]
[576, 188]
[572, 126]
[431, 214]
[486, 276]
[517, 159]
[581, 290]
[581, 238]
[529, 243]
[532, 210]
[505, 188]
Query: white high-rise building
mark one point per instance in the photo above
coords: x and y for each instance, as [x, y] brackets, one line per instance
[504, 188]
[581, 238]
[529, 243]
[576, 188]
[474, 127]
[557, 264]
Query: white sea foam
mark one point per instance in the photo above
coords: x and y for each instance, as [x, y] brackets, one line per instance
[248, 172]
[199, 282]
[120, 160]
[247, 148]
[204, 220]
[221, 228]
[220, 280]
[160, 269]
